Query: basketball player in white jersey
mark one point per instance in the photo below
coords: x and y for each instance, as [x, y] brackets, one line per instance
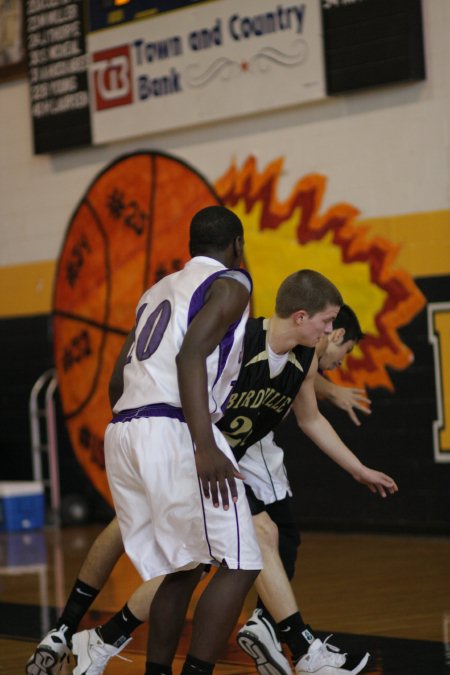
[170, 470]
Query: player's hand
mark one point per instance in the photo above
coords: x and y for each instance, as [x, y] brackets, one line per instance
[217, 474]
[349, 399]
[377, 482]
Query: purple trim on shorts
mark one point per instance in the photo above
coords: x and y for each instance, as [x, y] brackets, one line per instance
[238, 547]
[202, 498]
[151, 410]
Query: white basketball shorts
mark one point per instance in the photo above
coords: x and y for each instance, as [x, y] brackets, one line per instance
[166, 522]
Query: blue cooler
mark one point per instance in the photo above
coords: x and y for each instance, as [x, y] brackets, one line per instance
[21, 506]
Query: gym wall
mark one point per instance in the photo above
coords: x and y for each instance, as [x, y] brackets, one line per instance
[354, 185]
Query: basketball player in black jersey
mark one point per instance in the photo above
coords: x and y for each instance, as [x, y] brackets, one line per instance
[270, 505]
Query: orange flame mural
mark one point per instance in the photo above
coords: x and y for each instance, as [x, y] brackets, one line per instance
[283, 236]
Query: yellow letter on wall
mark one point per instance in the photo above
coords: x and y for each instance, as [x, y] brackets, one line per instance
[439, 337]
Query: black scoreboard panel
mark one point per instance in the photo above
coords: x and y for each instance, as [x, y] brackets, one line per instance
[57, 74]
[372, 42]
[55, 33]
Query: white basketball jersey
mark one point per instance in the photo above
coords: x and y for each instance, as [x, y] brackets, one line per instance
[163, 316]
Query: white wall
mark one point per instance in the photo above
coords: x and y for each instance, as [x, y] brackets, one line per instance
[385, 150]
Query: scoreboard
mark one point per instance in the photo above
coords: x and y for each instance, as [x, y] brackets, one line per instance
[358, 43]
[368, 43]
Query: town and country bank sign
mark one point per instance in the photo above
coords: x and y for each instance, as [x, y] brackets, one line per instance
[203, 63]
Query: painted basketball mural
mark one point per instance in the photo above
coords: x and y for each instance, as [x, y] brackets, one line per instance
[131, 228]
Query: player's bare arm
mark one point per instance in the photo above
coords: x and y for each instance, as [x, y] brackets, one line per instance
[345, 398]
[320, 431]
[225, 304]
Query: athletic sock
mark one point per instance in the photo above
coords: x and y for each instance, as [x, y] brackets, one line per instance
[80, 599]
[152, 668]
[193, 665]
[119, 627]
[296, 634]
[267, 615]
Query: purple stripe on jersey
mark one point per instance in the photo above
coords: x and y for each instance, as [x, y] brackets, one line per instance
[151, 410]
[225, 347]
[198, 297]
[197, 302]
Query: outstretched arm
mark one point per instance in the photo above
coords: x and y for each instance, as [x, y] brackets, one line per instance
[345, 398]
[320, 431]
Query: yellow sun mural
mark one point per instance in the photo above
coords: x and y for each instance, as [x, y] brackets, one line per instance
[284, 236]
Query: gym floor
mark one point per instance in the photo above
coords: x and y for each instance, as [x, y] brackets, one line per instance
[387, 594]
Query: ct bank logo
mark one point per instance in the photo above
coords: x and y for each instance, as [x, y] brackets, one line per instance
[112, 77]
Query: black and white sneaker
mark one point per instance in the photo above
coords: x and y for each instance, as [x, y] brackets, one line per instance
[258, 639]
[50, 654]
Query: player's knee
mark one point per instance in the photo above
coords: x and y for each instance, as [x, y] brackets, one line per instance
[266, 530]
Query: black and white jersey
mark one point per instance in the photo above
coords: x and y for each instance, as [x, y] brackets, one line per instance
[259, 401]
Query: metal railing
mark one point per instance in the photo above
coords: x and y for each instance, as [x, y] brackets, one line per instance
[44, 438]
